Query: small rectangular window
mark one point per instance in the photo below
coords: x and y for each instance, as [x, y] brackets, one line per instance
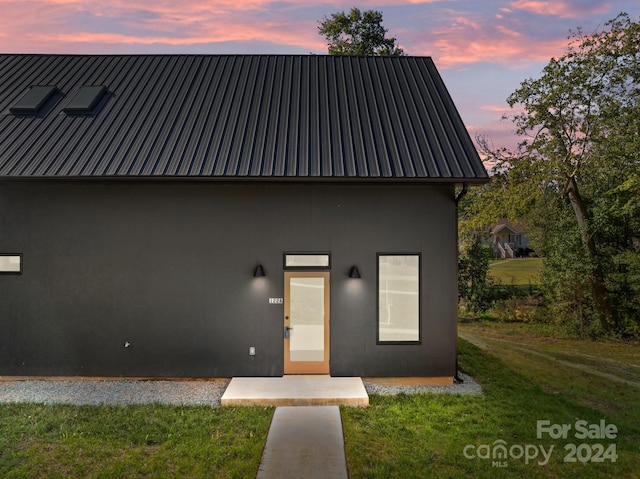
[10, 264]
[307, 261]
[399, 298]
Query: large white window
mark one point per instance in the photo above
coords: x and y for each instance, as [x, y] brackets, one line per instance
[399, 298]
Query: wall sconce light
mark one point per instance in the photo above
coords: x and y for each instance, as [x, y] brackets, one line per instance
[354, 272]
[259, 272]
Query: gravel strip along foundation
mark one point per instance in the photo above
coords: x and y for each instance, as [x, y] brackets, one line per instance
[469, 386]
[114, 392]
[177, 393]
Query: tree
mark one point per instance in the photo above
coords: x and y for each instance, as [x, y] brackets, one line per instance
[508, 194]
[581, 129]
[474, 284]
[358, 34]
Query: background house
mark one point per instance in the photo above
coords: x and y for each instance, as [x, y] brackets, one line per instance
[508, 240]
[198, 215]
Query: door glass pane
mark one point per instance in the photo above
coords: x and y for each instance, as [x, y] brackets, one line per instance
[399, 298]
[306, 319]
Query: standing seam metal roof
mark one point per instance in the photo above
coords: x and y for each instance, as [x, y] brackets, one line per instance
[235, 116]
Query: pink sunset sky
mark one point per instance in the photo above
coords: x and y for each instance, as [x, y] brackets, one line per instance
[483, 48]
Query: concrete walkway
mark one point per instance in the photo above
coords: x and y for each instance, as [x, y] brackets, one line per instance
[304, 442]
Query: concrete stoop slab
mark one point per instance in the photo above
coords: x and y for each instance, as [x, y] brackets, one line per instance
[304, 443]
[296, 391]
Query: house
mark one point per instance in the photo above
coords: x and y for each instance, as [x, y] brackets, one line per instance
[508, 239]
[228, 215]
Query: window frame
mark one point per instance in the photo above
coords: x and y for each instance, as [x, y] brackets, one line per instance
[419, 326]
[18, 255]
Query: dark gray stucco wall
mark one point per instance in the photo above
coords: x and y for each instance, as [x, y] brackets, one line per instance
[167, 267]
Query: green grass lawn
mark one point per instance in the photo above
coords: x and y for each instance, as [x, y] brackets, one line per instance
[524, 377]
[131, 442]
[426, 435]
[519, 271]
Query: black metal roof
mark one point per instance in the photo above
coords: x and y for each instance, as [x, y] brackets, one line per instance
[234, 116]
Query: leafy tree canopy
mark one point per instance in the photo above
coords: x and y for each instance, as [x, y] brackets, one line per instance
[358, 34]
[576, 175]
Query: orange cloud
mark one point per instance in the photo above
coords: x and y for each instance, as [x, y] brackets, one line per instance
[160, 5]
[60, 25]
[467, 41]
[500, 134]
[238, 34]
[496, 108]
[557, 8]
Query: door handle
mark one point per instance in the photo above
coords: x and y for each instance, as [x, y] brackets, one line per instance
[287, 333]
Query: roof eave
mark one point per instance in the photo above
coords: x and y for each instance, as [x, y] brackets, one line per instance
[249, 179]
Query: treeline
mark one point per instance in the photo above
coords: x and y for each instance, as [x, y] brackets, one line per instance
[574, 181]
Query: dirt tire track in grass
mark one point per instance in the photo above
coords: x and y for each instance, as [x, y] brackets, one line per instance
[483, 343]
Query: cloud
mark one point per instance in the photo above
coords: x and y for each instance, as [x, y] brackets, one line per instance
[472, 39]
[501, 134]
[564, 9]
[68, 25]
[51, 26]
[237, 35]
[496, 108]
[490, 34]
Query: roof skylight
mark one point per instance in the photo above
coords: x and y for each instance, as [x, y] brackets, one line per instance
[86, 99]
[35, 98]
